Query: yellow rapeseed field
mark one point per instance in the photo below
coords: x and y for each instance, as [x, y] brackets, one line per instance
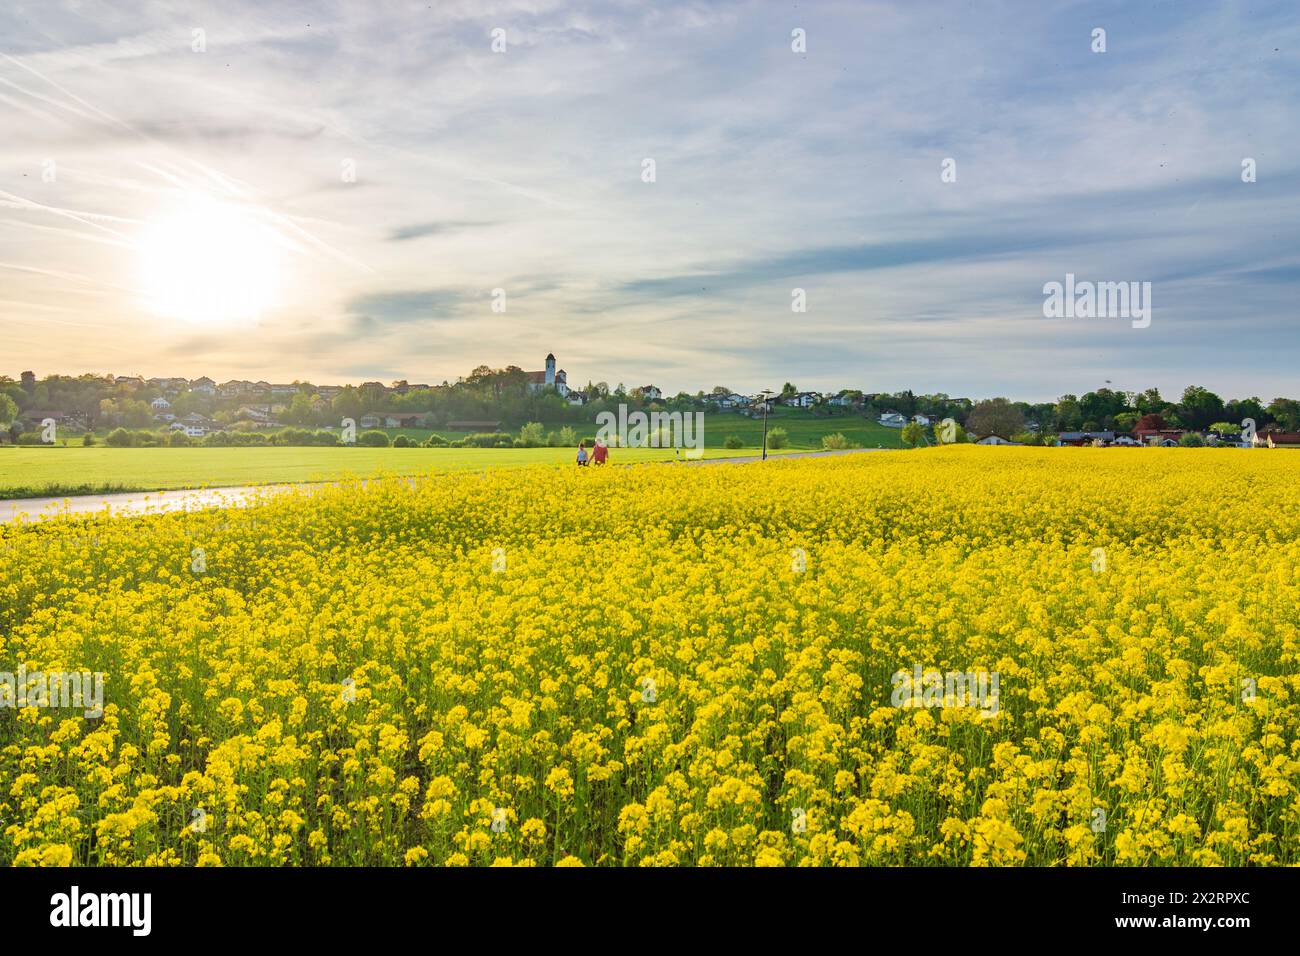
[671, 664]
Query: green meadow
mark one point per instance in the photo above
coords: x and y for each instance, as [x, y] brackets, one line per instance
[34, 471]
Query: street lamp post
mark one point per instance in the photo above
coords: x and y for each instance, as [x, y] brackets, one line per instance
[767, 394]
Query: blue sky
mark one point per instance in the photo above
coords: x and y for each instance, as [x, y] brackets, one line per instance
[473, 170]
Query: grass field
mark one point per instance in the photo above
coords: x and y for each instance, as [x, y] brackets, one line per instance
[805, 430]
[32, 471]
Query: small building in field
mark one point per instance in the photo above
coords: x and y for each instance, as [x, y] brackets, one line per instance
[404, 419]
[893, 420]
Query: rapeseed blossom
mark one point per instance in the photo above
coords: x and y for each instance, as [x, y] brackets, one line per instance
[648, 679]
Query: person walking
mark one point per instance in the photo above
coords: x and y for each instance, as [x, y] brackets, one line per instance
[599, 453]
[582, 454]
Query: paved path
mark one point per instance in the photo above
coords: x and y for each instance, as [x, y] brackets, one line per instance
[154, 502]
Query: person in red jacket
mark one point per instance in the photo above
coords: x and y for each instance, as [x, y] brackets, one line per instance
[599, 453]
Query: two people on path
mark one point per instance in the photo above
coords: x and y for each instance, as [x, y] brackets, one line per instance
[599, 453]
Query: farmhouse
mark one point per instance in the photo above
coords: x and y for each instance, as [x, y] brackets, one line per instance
[1078, 439]
[403, 419]
[802, 400]
[732, 400]
[893, 420]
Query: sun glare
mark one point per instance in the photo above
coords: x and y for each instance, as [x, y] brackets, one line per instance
[209, 263]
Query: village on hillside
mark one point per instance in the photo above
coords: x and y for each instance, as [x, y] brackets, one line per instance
[178, 410]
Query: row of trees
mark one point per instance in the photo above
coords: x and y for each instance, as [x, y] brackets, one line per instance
[505, 395]
[1198, 409]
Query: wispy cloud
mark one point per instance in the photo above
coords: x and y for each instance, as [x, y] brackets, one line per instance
[408, 170]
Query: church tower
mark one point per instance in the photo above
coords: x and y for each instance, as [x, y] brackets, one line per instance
[550, 369]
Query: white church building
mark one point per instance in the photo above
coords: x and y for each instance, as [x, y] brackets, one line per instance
[550, 378]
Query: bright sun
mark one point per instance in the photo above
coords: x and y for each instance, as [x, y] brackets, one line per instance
[210, 263]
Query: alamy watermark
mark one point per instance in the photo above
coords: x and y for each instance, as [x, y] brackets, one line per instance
[71, 690]
[1098, 300]
[653, 430]
[932, 688]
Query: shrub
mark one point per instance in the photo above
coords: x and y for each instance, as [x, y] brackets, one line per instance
[88, 439]
[532, 435]
[179, 439]
[836, 442]
[485, 440]
[1191, 440]
[435, 441]
[733, 442]
[373, 439]
[119, 438]
[568, 438]
[456, 443]
[401, 441]
[777, 438]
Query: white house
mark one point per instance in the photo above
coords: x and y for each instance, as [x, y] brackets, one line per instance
[549, 378]
[893, 420]
[995, 440]
[203, 386]
[651, 393]
[403, 419]
[254, 414]
[925, 420]
[371, 420]
[160, 404]
[730, 401]
[802, 400]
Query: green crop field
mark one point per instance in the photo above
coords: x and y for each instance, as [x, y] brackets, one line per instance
[805, 429]
[34, 471]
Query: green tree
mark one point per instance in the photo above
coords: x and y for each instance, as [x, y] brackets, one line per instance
[1286, 412]
[8, 411]
[1199, 407]
[995, 416]
[913, 434]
